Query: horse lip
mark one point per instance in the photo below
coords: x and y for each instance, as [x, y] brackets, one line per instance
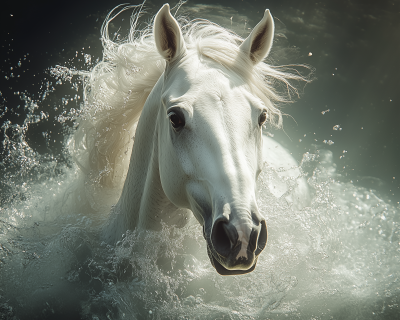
[225, 272]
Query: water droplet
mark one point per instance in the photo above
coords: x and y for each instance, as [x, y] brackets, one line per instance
[337, 128]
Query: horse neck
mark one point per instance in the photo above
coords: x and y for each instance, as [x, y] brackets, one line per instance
[142, 197]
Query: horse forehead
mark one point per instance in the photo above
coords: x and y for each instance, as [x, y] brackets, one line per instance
[211, 87]
[196, 81]
[206, 88]
[215, 80]
[221, 108]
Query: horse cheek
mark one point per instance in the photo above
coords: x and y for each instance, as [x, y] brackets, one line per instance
[172, 176]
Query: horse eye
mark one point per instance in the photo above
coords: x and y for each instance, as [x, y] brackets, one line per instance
[263, 118]
[177, 121]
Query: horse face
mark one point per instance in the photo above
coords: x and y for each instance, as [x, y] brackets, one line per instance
[210, 147]
[210, 156]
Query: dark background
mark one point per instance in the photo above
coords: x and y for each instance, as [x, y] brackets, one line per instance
[355, 50]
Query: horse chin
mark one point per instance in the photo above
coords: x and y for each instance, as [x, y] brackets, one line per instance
[226, 272]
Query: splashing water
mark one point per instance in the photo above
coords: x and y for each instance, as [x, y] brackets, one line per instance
[337, 258]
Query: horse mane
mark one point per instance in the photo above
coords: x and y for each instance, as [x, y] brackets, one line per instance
[117, 87]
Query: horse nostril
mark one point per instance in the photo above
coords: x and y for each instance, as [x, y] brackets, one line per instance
[262, 238]
[253, 241]
[223, 237]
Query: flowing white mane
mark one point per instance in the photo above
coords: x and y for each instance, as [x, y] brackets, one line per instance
[116, 89]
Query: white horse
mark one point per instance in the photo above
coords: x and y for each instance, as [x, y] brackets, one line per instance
[203, 95]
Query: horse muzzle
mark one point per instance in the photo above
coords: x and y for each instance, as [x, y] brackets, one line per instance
[234, 250]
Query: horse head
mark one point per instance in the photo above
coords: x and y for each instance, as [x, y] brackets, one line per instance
[210, 141]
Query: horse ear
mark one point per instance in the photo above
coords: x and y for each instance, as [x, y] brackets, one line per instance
[168, 35]
[259, 42]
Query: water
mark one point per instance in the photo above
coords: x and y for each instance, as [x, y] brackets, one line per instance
[335, 259]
